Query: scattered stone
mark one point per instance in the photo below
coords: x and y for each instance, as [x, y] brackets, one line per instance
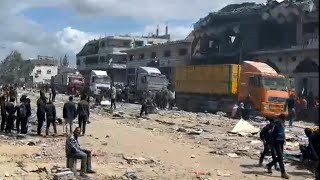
[130, 174]
[193, 156]
[233, 155]
[104, 144]
[223, 173]
[117, 116]
[66, 175]
[107, 136]
[195, 132]
[7, 175]
[255, 142]
[21, 136]
[40, 170]
[165, 122]
[201, 173]
[31, 143]
[181, 129]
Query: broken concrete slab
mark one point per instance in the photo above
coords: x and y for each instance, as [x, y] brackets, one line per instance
[66, 175]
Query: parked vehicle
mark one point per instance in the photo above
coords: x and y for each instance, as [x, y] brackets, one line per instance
[219, 87]
[99, 83]
[145, 79]
[68, 82]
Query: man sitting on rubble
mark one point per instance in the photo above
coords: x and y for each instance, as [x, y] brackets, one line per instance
[266, 138]
[73, 150]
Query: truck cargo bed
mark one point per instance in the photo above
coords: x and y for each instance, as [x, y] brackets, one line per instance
[207, 79]
[207, 87]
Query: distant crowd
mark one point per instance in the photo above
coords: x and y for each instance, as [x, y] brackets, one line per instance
[15, 114]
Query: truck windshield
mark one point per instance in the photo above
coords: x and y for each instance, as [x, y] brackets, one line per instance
[157, 79]
[274, 83]
[101, 80]
[76, 79]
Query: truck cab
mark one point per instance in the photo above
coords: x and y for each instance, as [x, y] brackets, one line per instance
[99, 82]
[75, 82]
[262, 88]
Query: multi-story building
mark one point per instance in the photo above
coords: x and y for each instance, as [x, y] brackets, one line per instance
[164, 56]
[44, 68]
[284, 35]
[106, 53]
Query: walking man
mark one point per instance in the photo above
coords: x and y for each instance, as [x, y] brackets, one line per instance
[41, 112]
[51, 117]
[291, 105]
[113, 97]
[73, 150]
[69, 113]
[266, 138]
[279, 137]
[83, 113]
[146, 101]
[53, 92]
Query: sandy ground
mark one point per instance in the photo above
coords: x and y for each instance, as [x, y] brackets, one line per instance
[166, 145]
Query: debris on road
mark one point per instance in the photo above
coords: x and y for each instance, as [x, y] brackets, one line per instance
[233, 155]
[244, 128]
[223, 173]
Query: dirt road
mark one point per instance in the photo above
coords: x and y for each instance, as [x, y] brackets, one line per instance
[167, 145]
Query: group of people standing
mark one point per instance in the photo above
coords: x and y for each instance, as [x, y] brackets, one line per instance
[14, 113]
[164, 98]
[46, 112]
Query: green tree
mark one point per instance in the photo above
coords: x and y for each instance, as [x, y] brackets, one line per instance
[13, 68]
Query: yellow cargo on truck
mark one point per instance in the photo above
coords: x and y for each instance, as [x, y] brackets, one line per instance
[194, 84]
[216, 87]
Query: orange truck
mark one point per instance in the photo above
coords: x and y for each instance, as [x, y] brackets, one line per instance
[219, 87]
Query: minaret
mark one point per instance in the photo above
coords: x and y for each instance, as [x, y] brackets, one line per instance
[157, 32]
[166, 29]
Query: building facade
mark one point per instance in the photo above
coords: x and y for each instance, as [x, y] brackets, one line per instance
[164, 56]
[44, 68]
[106, 53]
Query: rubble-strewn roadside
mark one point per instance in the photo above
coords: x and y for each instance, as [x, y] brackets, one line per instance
[166, 145]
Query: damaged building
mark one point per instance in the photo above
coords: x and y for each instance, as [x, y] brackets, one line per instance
[165, 57]
[284, 35]
[106, 53]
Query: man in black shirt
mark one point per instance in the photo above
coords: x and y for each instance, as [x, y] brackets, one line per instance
[51, 117]
[41, 112]
[11, 111]
[291, 105]
[69, 113]
[83, 113]
[266, 137]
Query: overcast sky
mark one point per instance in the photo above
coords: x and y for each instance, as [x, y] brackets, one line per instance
[58, 27]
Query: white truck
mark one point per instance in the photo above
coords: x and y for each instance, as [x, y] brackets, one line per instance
[99, 83]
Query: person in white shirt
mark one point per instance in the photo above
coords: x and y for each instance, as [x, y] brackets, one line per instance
[113, 97]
